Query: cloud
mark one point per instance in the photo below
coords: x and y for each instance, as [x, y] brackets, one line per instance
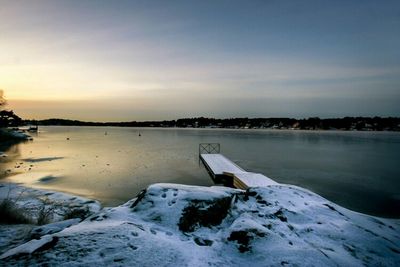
[137, 60]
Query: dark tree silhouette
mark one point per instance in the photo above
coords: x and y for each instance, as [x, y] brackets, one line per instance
[2, 100]
[7, 117]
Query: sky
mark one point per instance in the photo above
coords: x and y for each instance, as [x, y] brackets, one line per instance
[154, 60]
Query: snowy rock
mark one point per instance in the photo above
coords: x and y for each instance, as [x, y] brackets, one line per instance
[52, 228]
[12, 236]
[61, 210]
[31, 246]
[62, 205]
[170, 225]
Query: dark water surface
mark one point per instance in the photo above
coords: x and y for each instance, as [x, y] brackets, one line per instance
[358, 170]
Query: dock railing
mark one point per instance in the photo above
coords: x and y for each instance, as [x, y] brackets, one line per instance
[209, 148]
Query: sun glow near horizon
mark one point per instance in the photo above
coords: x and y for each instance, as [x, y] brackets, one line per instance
[137, 61]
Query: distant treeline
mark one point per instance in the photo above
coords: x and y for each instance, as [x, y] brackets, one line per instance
[347, 123]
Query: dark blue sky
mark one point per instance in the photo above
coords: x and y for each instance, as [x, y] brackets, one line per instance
[122, 60]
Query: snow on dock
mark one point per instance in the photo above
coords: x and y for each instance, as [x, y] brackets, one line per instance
[223, 170]
[218, 164]
[244, 180]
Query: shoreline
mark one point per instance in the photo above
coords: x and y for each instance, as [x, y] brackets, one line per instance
[10, 137]
[311, 123]
[228, 129]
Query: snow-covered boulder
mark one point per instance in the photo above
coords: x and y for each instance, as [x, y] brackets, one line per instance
[176, 225]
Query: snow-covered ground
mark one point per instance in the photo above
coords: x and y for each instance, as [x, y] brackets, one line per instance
[47, 206]
[31, 200]
[177, 225]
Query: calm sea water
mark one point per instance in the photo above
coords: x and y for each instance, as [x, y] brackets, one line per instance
[358, 170]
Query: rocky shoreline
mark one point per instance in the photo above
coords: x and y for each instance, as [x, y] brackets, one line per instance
[9, 137]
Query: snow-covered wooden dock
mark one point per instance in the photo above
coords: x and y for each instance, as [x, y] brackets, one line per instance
[217, 164]
[223, 170]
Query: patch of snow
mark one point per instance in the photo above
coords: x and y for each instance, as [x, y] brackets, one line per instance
[13, 235]
[52, 228]
[31, 201]
[29, 247]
